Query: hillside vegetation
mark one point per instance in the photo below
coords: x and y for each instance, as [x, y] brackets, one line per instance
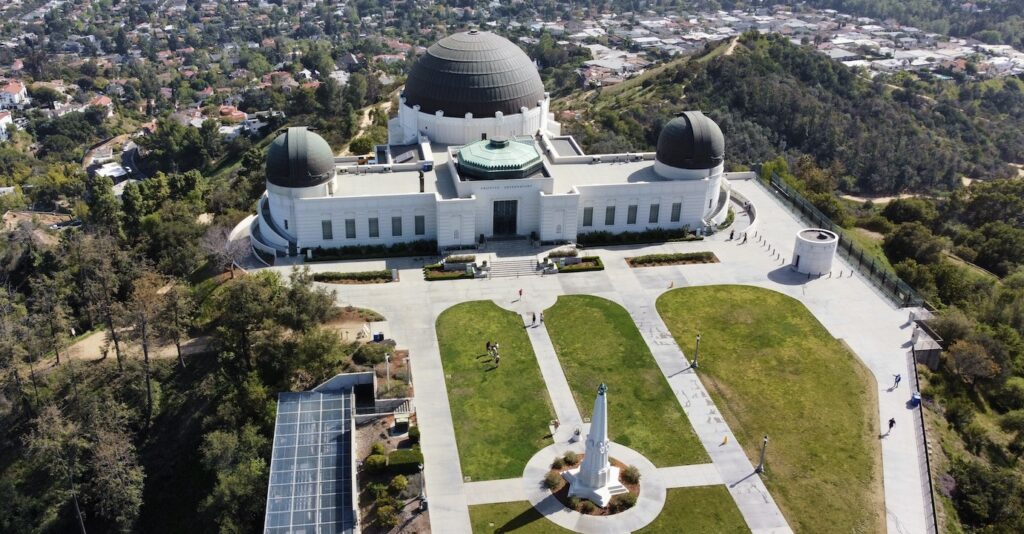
[771, 96]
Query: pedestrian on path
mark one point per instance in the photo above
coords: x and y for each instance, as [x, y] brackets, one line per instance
[892, 423]
[541, 317]
[744, 239]
[520, 293]
[534, 323]
[731, 234]
[896, 381]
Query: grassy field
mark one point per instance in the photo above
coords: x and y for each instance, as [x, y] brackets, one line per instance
[707, 510]
[501, 414]
[773, 369]
[596, 341]
[519, 517]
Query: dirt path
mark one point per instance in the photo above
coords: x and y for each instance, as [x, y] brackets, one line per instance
[732, 47]
[879, 200]
[365, 121]
[90, 349]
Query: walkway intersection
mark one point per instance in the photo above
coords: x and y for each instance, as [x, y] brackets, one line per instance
[848, 307]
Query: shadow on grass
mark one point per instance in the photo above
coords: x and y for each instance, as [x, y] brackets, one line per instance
[520, 521]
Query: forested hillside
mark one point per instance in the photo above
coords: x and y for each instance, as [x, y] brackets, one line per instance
[771, 96]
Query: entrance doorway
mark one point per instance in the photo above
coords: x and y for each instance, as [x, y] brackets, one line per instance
[505, 217]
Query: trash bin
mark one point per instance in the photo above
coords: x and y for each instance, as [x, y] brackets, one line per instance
[915, 400]
[378, 337]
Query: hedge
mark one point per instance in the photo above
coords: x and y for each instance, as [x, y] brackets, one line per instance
[657, 235]
[362, 276]
[436, 272]
[405, 461]
[465, 258]
[588, 263]
[673, 259]
[424, 247]
[563, 253]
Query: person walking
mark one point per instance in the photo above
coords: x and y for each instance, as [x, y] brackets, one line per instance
[731, 234]
[892, 423]
[534, 323]
[744, 239]
[497, 359]
[488, 346]
[541, 317]
[896, 381]
[520, 293]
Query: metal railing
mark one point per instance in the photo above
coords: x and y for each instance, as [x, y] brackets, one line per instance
[877, 273]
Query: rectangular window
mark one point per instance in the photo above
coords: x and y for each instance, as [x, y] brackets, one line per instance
[327, 229]
[655, 212]
[609, 216]
[588, 216]
[421, 225]
[396, 226]
[677, 211]
[374, 227]
[631, 214]
[350, 228]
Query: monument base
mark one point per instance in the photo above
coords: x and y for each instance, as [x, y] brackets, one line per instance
[599, 496]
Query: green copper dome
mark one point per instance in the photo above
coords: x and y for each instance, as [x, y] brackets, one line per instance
[499, 159]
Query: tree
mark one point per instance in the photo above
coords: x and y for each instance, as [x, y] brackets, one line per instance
[49, 306]
[176, 314]
[104, 209]
[116, 481]
[972, 362]
[56, 445]
[104, 269]
[143, 312]
[903, 210]
[222, 251]
[914, 240]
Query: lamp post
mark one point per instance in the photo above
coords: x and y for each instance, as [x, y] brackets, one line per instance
[764, 447]
[696, 353]
[387, 369]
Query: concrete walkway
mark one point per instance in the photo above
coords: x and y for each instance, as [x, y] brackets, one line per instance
[849, 308]
[690, 476]
[558, 387]
[495, 491]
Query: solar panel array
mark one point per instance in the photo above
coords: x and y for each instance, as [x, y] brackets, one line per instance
[311, 469]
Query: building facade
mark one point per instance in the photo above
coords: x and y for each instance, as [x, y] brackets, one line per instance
[475, 154]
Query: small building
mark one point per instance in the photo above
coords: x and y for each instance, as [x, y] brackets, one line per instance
[13, 95]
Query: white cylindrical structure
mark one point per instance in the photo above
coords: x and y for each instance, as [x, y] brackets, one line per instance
[814, 251]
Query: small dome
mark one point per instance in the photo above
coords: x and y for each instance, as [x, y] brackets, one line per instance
[299, 158]
[499, 159]
[474, 72]
[691, 141]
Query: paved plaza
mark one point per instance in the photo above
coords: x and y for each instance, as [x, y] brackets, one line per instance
[848, 306]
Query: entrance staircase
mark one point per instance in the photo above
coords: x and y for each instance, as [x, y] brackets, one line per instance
[515, 268]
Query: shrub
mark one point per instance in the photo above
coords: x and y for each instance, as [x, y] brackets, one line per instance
[398, 484]
[574, 503]
[631, 475]
[959, 413]
[465, 258]
[378, 448]
[361, 145]
[387, 517]
[557, 464]
[376, 463]
[673, 259]
[405, 461]
[876, 223]
[1011, 395]
[552, 480]
[414, 435]
[563, 253]
[362, 276]
[377, 489]
[423, 247]
[623, 502]
[571, 458]
[975, 437]
[657, 235]
[371, 353]
[436, 272]
[587, 507]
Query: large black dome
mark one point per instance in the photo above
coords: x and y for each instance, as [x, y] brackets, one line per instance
[691, 141]
[474, 72]
[299, 158]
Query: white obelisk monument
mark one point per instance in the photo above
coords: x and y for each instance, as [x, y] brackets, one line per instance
[596, 479]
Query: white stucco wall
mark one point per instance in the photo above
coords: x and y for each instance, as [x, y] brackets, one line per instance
[314, 211]
[559, 216]
[456, 222]
[459, 130]
[694, 197]
[812, 255]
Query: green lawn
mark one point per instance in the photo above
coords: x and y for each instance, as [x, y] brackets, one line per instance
[596, 341]
[501, 415]
[773, 369]
[520, 517]
[708, 509]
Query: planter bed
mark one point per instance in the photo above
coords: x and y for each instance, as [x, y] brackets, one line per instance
[682, 258]
[587, 263]
[436, 272]
[363, 277]
[601, 238]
